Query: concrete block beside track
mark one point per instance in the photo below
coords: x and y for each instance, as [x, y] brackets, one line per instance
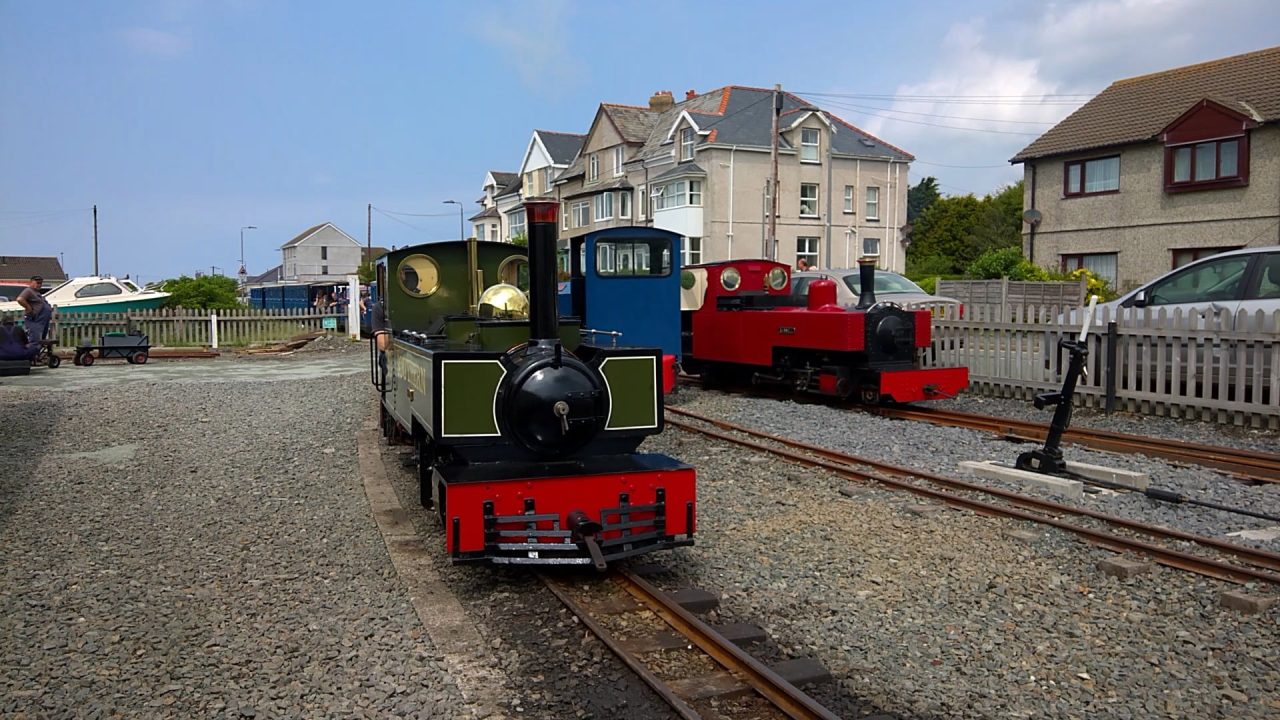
[994, 471]
[1135, 480]
[1244, 602]
[1123, 567]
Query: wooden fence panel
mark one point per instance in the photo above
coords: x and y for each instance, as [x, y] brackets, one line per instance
[1216, 367]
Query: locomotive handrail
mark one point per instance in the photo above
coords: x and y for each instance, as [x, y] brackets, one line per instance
[611, 333]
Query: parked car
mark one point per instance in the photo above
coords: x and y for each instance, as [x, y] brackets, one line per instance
[1178, 331]
[1212, 288]
[890, 287]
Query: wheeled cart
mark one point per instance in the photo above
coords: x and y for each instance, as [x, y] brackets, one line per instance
[132, 346]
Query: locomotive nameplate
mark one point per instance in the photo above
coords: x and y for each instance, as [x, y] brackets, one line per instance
[469, 397]
[786, 331]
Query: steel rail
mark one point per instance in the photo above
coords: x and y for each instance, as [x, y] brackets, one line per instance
[844, 465]
[787, 698]
[1249, 464]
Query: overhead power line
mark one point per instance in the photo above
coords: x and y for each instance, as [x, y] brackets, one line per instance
[932, 124]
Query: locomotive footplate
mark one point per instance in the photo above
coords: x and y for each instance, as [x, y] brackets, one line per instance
[588, 511]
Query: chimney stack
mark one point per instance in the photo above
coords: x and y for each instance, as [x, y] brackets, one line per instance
[661, 101]
[690, 94]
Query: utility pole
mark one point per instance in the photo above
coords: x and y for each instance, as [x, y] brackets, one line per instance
[368, 230]
[826, 242]
[95, 240]
[773, 176]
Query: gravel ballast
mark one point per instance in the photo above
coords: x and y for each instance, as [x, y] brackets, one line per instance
[189, 541]
[926, 611]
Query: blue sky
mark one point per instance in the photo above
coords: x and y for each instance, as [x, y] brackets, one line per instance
[184, 120]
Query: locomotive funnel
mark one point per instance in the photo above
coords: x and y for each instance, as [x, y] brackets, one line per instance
[544, 321]
[867, 282]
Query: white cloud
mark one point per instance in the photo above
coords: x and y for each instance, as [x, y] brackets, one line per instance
[533, 38]
[150, 41]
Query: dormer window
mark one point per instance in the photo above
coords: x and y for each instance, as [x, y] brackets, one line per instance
[618, 159]
[1207, 148]
[686, 144]
[809, 145]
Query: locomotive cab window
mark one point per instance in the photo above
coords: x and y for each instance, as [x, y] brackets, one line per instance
[515, 271]
[419, 275]
[633, 257]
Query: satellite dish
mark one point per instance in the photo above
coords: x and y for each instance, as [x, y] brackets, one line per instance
[1032, 217]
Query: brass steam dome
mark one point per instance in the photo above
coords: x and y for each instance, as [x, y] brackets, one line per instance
[504, 302]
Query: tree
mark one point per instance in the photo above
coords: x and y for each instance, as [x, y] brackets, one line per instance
[921, 196]
[366, 272]
[207, 292]
[941, 238]
[1000, 223]
[520, 240]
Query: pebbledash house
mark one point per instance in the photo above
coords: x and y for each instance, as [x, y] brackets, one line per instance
[1159, 170]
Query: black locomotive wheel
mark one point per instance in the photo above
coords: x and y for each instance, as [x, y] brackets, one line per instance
[870, 396]
[54, 361]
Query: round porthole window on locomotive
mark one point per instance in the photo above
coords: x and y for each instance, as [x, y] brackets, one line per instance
[730, 279]
[776, 278]
[419, 275]
[515, 271]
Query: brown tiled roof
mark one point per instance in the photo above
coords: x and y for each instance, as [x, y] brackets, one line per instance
[1138, 108]
[22, 268]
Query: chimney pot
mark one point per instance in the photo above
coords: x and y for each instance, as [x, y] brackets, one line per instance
[690, 94]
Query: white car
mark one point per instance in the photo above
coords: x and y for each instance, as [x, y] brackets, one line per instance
[1212, 288]
[890, 287]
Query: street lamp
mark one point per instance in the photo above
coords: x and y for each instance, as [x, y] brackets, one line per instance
[462, 234]
[244, 273]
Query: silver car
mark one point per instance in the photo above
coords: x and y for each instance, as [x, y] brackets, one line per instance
[890, 287]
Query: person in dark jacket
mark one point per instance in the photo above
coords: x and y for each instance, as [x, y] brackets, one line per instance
[13, 342]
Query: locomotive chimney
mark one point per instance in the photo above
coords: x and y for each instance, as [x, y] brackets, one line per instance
[867, 283]
[544, 323]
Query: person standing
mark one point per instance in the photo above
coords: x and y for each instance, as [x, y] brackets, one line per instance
[38, 310]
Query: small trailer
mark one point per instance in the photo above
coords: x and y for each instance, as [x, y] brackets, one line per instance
[132, 346]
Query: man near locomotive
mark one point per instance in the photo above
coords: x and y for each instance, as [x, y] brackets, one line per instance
[38, 310]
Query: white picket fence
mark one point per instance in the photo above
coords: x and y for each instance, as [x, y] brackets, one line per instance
[195, 328]
[1220, 367]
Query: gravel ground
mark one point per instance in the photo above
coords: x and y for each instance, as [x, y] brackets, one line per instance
[941, 449]
[940, 613]
[200, 547]
[555, 668]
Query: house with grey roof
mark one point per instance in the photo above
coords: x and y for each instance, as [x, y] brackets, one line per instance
[1159, 170]
[701, 168]
[490, 223]
[321, 253]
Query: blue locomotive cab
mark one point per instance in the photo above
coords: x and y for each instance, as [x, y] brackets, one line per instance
[627, 280]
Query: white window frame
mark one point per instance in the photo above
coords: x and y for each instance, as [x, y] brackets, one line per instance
[686, 144]
[695, 193]
[604, 206]
[848, 199]
[564, 214]
[624, 204]
[517, 224]
[546, 179]
[493, 232]
[642, 206]
[813, 210]
[582, 213]
[873, 203]
[619, 157]
[810, 152]
[688, 254]
[807, 248]
[593, 167]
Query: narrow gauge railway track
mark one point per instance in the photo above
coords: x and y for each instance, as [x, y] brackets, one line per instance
[762, 694]
[1246, 464]
[1251, 564]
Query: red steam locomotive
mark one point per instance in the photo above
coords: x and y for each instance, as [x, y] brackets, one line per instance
[741, 323]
